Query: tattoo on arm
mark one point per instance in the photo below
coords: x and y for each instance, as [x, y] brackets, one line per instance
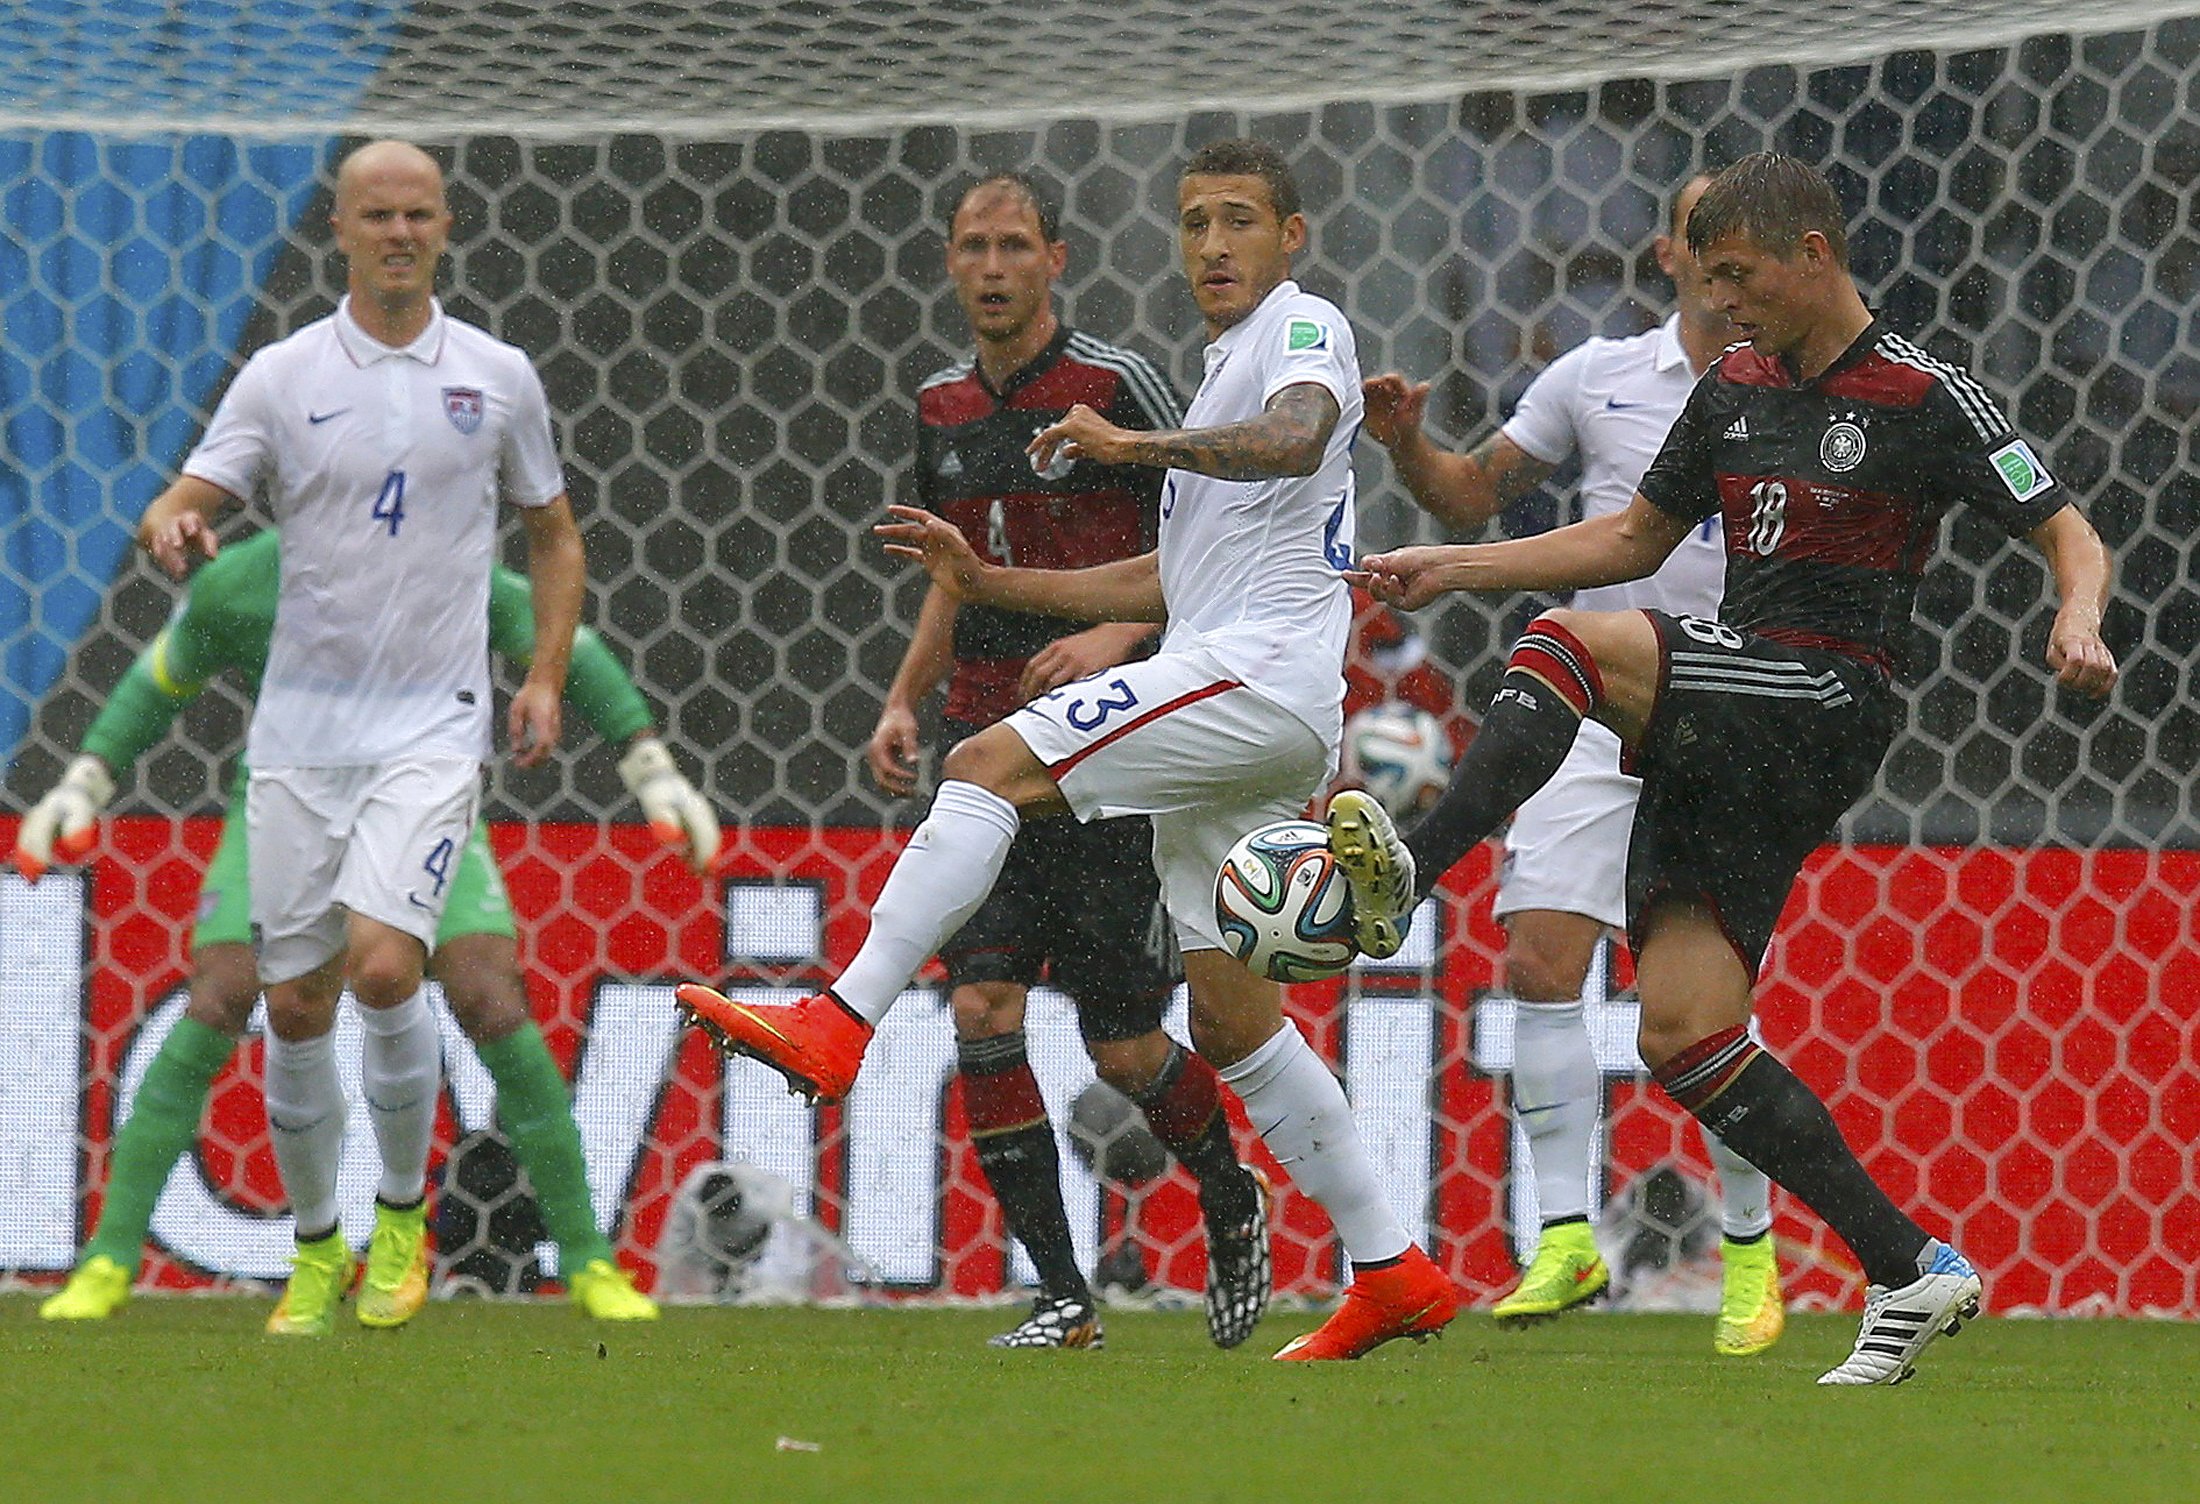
[1286, 439]
[1512, 471]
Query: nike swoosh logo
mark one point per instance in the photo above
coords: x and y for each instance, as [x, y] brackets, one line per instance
[324, 417]
[414, 900]
[1620, 407]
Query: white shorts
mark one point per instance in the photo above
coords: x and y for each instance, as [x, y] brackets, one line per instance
[1567, 848]
[1178, 738]
[381, 840]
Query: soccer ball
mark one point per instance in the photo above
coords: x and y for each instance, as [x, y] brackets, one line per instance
[1284, 908]
[1399, 753]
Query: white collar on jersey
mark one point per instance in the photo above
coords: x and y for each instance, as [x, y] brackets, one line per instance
[364, 349]
[1670, 353]
[1229, 338]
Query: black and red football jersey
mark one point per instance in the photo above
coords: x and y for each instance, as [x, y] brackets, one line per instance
[1832, 490]
[972, 470]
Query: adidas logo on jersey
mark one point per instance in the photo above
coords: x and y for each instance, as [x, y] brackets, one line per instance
[1737, 430]
[951, 465]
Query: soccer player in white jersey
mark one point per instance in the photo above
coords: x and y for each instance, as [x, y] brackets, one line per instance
[1563, 883]
[384, 437]
[1232, 724]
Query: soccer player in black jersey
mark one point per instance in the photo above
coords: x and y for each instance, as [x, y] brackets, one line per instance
[1830, 448]
[1077, 904]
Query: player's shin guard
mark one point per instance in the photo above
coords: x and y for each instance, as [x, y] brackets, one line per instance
[1017, 1153]
[938, 882]
[1550, 686]
[163, 1124]
[1301, 1112]
[1765, 1114]
[537, 1112]
[1557, 1091]
[305, 1123]
[401, 1068]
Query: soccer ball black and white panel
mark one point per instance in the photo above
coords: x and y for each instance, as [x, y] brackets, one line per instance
[1399, 753]
[1283, 905]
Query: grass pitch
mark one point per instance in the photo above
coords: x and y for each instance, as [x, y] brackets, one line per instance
[184, 1400]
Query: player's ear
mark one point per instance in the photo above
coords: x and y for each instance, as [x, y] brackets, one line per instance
[1057, 258]
[1294, 234]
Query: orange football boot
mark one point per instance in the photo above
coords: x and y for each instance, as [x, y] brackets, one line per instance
[817, 1044]
[1411, 1298]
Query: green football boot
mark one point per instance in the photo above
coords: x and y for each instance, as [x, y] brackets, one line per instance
[97, 1289]
[320, 1275]
[603, 1290]
[396, 1286]
[1752, 1311]
[1567, 1271]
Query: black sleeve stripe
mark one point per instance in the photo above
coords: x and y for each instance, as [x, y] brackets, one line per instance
[1976, 403]
[1148, 388]
[954, 372]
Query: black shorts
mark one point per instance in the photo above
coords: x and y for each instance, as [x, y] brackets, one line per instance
[1078, 907]
[1754, 752]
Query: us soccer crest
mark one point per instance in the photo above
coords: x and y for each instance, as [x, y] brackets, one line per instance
[463, 406]
[1842, 448]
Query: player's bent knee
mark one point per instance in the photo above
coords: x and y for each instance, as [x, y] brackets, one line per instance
[997, 761]
[986, 1010]
[225, 983]
[1129, 1065]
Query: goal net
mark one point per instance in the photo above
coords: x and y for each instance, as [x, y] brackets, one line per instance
[717, 228]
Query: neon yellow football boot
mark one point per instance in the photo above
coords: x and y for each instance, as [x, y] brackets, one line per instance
[396, 1286]
[1566, 1271]
[1752, 1311]
[320, 1274]
[97, 1288]
[604, 1293]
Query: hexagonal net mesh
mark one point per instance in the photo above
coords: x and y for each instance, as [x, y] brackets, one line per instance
[717, 228]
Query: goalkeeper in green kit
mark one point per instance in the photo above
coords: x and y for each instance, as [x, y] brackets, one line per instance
[225, 622]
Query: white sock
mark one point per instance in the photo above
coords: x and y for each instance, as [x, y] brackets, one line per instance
[1745, 1195]
[1302, 1113]
[938, 882]
[305, 1121]
[1557, 1092]
[400, 1070]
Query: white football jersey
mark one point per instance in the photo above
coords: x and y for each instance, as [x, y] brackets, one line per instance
[1613, 400]
[383, 467]
[1249, 569]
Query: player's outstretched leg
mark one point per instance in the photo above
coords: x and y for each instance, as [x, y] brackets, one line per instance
[163, 1124]
[1551, 684]
[1752, 1306]
[938, 882]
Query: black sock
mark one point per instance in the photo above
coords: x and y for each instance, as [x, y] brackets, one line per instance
[1529, 728]
[1767, 1115]
[1017, 1153]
